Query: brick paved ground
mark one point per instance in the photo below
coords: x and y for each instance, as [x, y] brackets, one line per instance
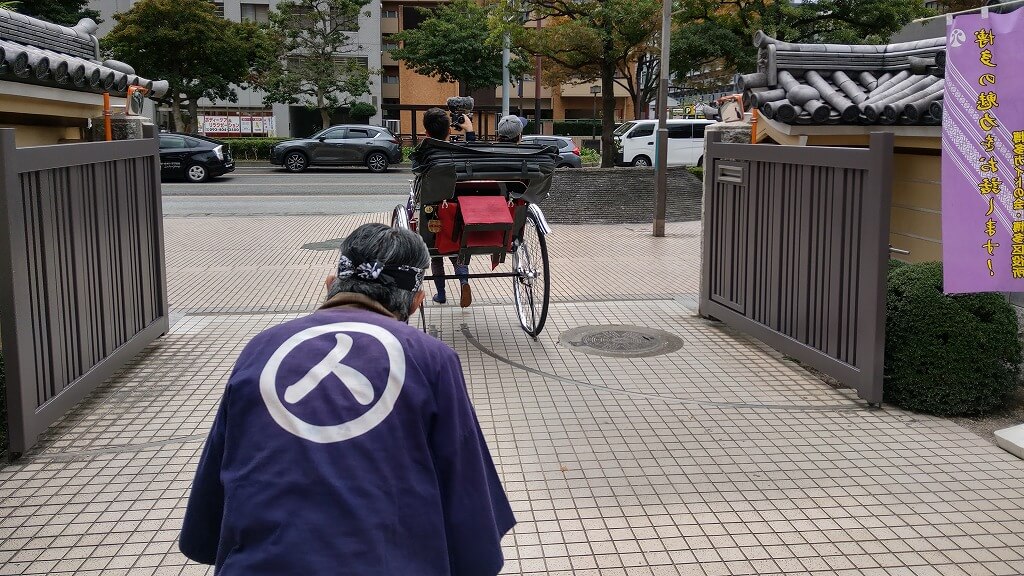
[718, 458]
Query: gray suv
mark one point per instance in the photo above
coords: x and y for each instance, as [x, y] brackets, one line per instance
[347, 145]
[567, 149]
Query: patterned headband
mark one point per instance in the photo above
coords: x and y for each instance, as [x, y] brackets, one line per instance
[404, 277]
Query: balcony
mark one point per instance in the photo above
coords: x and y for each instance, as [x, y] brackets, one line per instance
[528, 91]
[386, 59]
[581, 90]
[389, 25]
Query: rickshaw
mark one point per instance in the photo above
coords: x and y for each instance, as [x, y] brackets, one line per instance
[480, 199]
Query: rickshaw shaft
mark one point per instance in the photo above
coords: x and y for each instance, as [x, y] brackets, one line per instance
[485, 275]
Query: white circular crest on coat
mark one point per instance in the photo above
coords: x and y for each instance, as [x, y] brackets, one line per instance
[356, 382]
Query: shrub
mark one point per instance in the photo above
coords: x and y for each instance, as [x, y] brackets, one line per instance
[947, 355]
[251, 148]
[590, 157]
[361, 111]
[697, 171]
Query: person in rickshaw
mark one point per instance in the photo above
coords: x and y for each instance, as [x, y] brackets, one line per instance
[510, 129]
[438, 125]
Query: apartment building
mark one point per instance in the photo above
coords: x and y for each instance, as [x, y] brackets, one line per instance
[405, 94]
[248, 116]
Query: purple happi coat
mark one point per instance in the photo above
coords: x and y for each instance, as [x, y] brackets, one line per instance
[346, 444]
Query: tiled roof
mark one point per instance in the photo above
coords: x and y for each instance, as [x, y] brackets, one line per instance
[39, 52]
[847, 84]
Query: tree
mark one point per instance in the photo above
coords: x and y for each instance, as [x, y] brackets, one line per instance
[184, 42]
[311, 38]
[454, 44]
[587, 40]
[960, 5]
[64, 12]
[713, 38]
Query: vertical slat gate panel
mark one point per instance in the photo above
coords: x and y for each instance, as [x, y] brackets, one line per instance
[795, 254]
[83, 239]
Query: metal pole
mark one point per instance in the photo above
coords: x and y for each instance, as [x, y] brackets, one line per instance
[505, 81]
[661, 163]
[536, 92]
[106, 117]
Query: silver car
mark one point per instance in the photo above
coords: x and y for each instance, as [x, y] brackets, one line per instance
[567, 149]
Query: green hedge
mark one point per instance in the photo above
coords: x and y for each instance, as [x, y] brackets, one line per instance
[947, 355]
[577, 128]
[251, 148]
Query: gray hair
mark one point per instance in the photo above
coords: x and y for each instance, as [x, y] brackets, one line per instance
[391, 247]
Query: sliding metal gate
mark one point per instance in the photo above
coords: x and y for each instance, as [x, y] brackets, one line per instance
[83, 289]
[796, 251]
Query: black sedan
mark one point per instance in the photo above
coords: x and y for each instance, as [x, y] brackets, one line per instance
[194, 158]
[349, 145]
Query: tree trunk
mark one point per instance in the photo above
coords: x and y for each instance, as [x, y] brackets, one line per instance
[325, 117]
[193, 115]
[179, 121]
[607, 114]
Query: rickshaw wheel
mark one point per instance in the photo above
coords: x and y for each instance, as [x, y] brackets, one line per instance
[400, 218]
[531, 285]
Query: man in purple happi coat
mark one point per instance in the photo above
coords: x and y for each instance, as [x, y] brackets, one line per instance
[346, 443]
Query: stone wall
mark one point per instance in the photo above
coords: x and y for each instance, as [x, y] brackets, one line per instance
[619, 195]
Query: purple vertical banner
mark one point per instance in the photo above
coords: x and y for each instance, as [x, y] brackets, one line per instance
[983, 154]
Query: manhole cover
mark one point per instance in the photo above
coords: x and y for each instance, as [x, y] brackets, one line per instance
[620, 341]
[324, 246]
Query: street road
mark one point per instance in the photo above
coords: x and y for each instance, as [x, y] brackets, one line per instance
[264, 190]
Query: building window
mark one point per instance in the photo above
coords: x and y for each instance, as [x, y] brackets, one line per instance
[296, 61]
[390, 78]
[391, 101]
[387, 44]
[218, 7]
[358, 61]
[255, 13]
[388, 13]
[337, 22]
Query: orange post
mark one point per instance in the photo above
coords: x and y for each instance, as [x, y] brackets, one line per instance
[753, 127]
[106, 116]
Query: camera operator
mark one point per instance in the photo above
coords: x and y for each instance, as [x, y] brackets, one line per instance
[438, 125]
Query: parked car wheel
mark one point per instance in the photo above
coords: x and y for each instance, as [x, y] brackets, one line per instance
[700, 162]
[641, 161]
[296, 162]
[377, 162]
[196, 173]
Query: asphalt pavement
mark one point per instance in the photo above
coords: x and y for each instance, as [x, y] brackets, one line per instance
[265, 190]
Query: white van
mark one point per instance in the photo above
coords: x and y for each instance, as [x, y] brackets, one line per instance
[635, 140]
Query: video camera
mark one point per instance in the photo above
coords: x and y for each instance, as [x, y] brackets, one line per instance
[458, 108]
